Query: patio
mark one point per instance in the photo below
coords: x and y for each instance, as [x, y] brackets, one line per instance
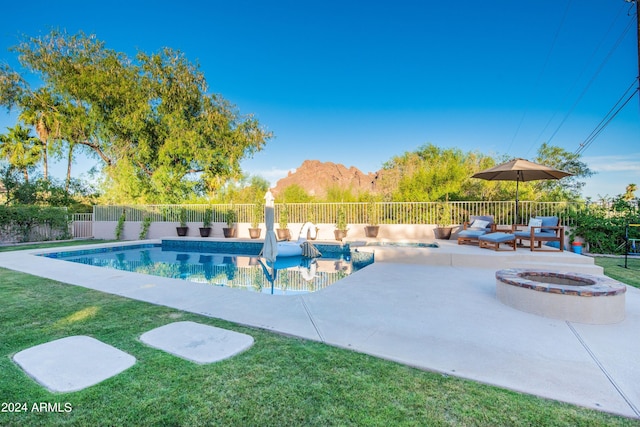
[435, 309]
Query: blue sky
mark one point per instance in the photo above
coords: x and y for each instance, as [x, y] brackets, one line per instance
[359, 82]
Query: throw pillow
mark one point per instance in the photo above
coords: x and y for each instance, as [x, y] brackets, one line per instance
[535, 222]
[479, 223]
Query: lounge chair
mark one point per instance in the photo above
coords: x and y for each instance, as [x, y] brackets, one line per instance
[541, 229]
[476, 227]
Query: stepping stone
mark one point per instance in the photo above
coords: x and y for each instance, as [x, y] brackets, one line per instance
[72, 363]
[196, 342]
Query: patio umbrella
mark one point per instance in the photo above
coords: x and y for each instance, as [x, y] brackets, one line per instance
[520, 170]
[270, 248]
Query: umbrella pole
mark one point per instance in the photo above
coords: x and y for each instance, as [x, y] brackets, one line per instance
[517, 202]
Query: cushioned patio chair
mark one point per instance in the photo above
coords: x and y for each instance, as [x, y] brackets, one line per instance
[541, 229]
[476, 227]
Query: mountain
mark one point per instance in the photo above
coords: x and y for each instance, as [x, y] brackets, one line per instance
[316, 177]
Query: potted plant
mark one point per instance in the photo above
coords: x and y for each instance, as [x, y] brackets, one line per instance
[341, 224]
[256, 214]
[182, 230]
[443, 227]
[283, 224]
[230, 219]
[372, 229]
[205, 230]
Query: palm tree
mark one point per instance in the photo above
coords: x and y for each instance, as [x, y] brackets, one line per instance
[20, 149]
[42, 115]
[630, 192]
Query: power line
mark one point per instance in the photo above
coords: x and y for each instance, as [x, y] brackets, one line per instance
[544, 66]
[584, 91]
[579, 77]
[608, 117]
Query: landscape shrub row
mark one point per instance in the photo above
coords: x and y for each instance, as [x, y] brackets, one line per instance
[33, 223]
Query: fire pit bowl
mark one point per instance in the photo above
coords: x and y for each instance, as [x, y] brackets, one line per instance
[575, 297]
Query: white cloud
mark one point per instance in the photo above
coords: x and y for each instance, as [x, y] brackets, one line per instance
[617, 163]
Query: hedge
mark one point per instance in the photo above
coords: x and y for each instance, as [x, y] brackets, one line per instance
[33, 223]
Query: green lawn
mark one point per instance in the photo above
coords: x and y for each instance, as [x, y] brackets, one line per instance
[279, 381]
[614, 268]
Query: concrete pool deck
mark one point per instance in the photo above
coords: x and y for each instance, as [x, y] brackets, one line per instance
[432, 308]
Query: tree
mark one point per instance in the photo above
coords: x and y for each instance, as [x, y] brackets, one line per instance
[248, 189]
[149, 120]
[568, 188]
[295, 194]
[39, 111]
[630, 192]
[20, 149]
[433, 174]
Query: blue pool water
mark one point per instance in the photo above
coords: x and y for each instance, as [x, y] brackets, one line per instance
[234, 264]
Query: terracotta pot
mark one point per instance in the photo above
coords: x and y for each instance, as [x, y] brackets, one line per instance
[340, 234]
[442, 232]
[371, 230]
[283, 234]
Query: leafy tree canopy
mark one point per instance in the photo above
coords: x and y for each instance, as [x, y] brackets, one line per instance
[295, 194]
[432, 174]
[568, 188]
[248, 189]
[160, 136]
[77, 196]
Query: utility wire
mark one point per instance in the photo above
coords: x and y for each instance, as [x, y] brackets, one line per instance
[604, 61]
[608, 117]
[544, 66]
[579, 77]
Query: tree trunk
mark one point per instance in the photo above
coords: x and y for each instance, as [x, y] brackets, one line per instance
[67, 182]
[45, 161]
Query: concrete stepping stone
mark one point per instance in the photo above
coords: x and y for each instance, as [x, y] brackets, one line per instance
[196, 342]
[72, 363]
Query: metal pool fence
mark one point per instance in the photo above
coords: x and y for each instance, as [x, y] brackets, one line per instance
[355, 213]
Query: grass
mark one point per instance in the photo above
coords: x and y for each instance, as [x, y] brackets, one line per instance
[614, 268]
[279, 381]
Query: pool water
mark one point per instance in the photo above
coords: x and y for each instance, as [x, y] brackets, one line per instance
[289, 275]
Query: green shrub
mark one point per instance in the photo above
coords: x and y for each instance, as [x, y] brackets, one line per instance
[120, 225]
[20, 222]
[603, 229]
[144, 229]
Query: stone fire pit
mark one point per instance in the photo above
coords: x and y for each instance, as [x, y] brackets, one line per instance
[575, 297]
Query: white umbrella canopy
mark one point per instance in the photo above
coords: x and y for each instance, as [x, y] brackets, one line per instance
[270, 248]
[520, 170]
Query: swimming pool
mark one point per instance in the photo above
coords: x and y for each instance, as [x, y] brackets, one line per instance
[229, 264]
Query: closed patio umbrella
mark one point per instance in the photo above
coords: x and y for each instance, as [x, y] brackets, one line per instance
[270, 248]
[520, 170]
